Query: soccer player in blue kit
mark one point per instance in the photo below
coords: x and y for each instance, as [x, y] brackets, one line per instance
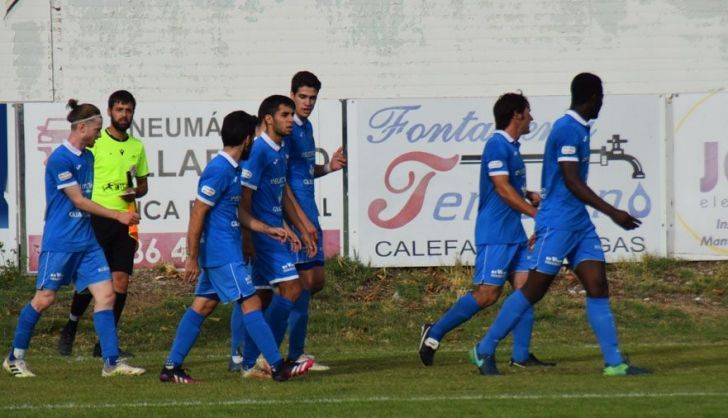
[302, 170]
[564, 231]
[502, 250]
[215, 256]
[265, 195]
[69, 251]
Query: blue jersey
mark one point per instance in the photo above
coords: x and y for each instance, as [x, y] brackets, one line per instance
[498, 223]
[67, 228]
[301, 165]
[265, 172]
[219, 187]
[568, 141]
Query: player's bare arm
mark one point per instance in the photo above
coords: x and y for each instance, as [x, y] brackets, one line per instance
[511, 197]
[248, 221]
[570, 171]
[79, 201]
[246, 205]
[292, 216]
[338, 161]
[194, 233]
[308, 226]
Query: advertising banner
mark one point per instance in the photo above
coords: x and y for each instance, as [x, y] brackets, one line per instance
[180, 138]
[414, 169]
[701, 176]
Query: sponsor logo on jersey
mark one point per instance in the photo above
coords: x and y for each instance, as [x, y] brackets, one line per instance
[64, 175]
[247, 174]
[568, 150]
[495, 164]
[208, 191]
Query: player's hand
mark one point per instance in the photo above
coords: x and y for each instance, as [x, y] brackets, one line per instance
[310, 246]
[534, 198]
[128, 218]
[625, 220]
[531, 241]
[192, 269]
[338, 160]
[294, 241]
[310, 228]
[278, 234]
[248, 251]
[129, 195]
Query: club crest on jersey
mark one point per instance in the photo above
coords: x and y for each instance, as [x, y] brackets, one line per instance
[208, 191]
[64, 175]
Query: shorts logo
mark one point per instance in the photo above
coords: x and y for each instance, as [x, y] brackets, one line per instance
[247, 174]
[498, 274]
[288, 267]
[103, 269]
[553, 261]
[208, 191]
[64, 176]
[56, 277]
[495, 164]
[568, 150]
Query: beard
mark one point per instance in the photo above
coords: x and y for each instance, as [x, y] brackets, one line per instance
[120, 125]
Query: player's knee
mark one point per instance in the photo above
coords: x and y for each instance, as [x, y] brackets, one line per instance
[487, 295]
[204, 306]
[290, 290]
[104, 300]
[42, 301]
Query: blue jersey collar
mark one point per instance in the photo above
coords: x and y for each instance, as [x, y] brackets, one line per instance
[270, 142]
[229, 159]
[505, 135]
[77, 152]
[298, 120]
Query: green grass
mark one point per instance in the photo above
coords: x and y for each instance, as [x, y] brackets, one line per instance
[365, 324]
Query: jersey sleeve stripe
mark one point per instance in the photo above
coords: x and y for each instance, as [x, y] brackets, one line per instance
[250, 185]
[205, 201]
[498, 173]
[568, 159]
[64, 185]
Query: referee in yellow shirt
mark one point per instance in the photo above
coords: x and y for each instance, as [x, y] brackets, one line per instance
[118, 158]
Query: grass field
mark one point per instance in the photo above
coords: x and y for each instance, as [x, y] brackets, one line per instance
[671, 317]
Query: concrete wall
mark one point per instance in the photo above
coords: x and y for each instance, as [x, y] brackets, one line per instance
[246, 49]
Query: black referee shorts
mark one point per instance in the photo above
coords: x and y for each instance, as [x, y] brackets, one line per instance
[114, 239]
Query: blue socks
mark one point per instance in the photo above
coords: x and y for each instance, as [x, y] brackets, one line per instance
[24, 331]
[277, 315]
[513, 308]
[298, 325]
[261, 337]
[187, 332]
[105, 327]
[237, 330]
[461, 311]
[522, 336]
[602, 322]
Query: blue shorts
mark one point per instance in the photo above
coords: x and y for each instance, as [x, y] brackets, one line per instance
[226, 283]
[274, 262]
[554, 245]
[495, 262]
[82, 268]
[303, 261]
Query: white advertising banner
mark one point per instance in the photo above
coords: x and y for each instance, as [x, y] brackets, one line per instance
[180, 138]
[701, 176]
[414, 172]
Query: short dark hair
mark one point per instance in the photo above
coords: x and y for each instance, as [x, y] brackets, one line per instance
[237, 126]
[507, 106]
[81, 111]
[121, 96]
[583, 87]
[305, 79]
[270, 105]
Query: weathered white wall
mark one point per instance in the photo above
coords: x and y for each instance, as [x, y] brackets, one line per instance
[247, 49]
